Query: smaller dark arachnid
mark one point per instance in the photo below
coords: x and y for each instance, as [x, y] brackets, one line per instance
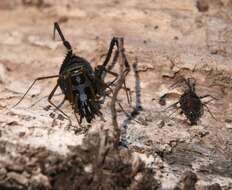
[190, 103]
[84, 87]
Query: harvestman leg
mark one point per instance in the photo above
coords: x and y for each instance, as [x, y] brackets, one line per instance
[57, 107]
[209, 111]
[125, 72]
[114, 60]
[61, 103]
[174, 106]
[121, 107]
[208, 95]
[114, 42]
[65, 42]
[50, 95]
[177, 82]
[38, 79]
[175, 109]
[205, 104]
[125, 87]
[78, 121]
[208, 101]
[37, 101]
[186, 81]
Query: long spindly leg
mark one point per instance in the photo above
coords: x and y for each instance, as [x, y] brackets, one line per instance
[130, 116]
[114, 60]
[208, 101]
[61, 103]
[205, 103]
[125, 64]
[122, 62]
[128, 95]
[125, 88]
[208, 95]
[173, 112]
[57, 27]
[119, 53]
[114, 74]
[108, 56]
[78, 120]
[180, 80]
[121, 107]
[115, 41]
[65, 42]
[209, 111]
[40, 99]
[171, 106]
[101, 70]
[126, 71]
[57, 108]
[38, 79]
[190, 82]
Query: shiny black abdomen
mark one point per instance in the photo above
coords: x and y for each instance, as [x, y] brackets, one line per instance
[191, 106]
[73, 61]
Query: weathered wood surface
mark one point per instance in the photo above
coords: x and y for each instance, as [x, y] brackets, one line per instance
[164, 39]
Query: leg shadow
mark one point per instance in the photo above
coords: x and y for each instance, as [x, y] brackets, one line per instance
[136, 110]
